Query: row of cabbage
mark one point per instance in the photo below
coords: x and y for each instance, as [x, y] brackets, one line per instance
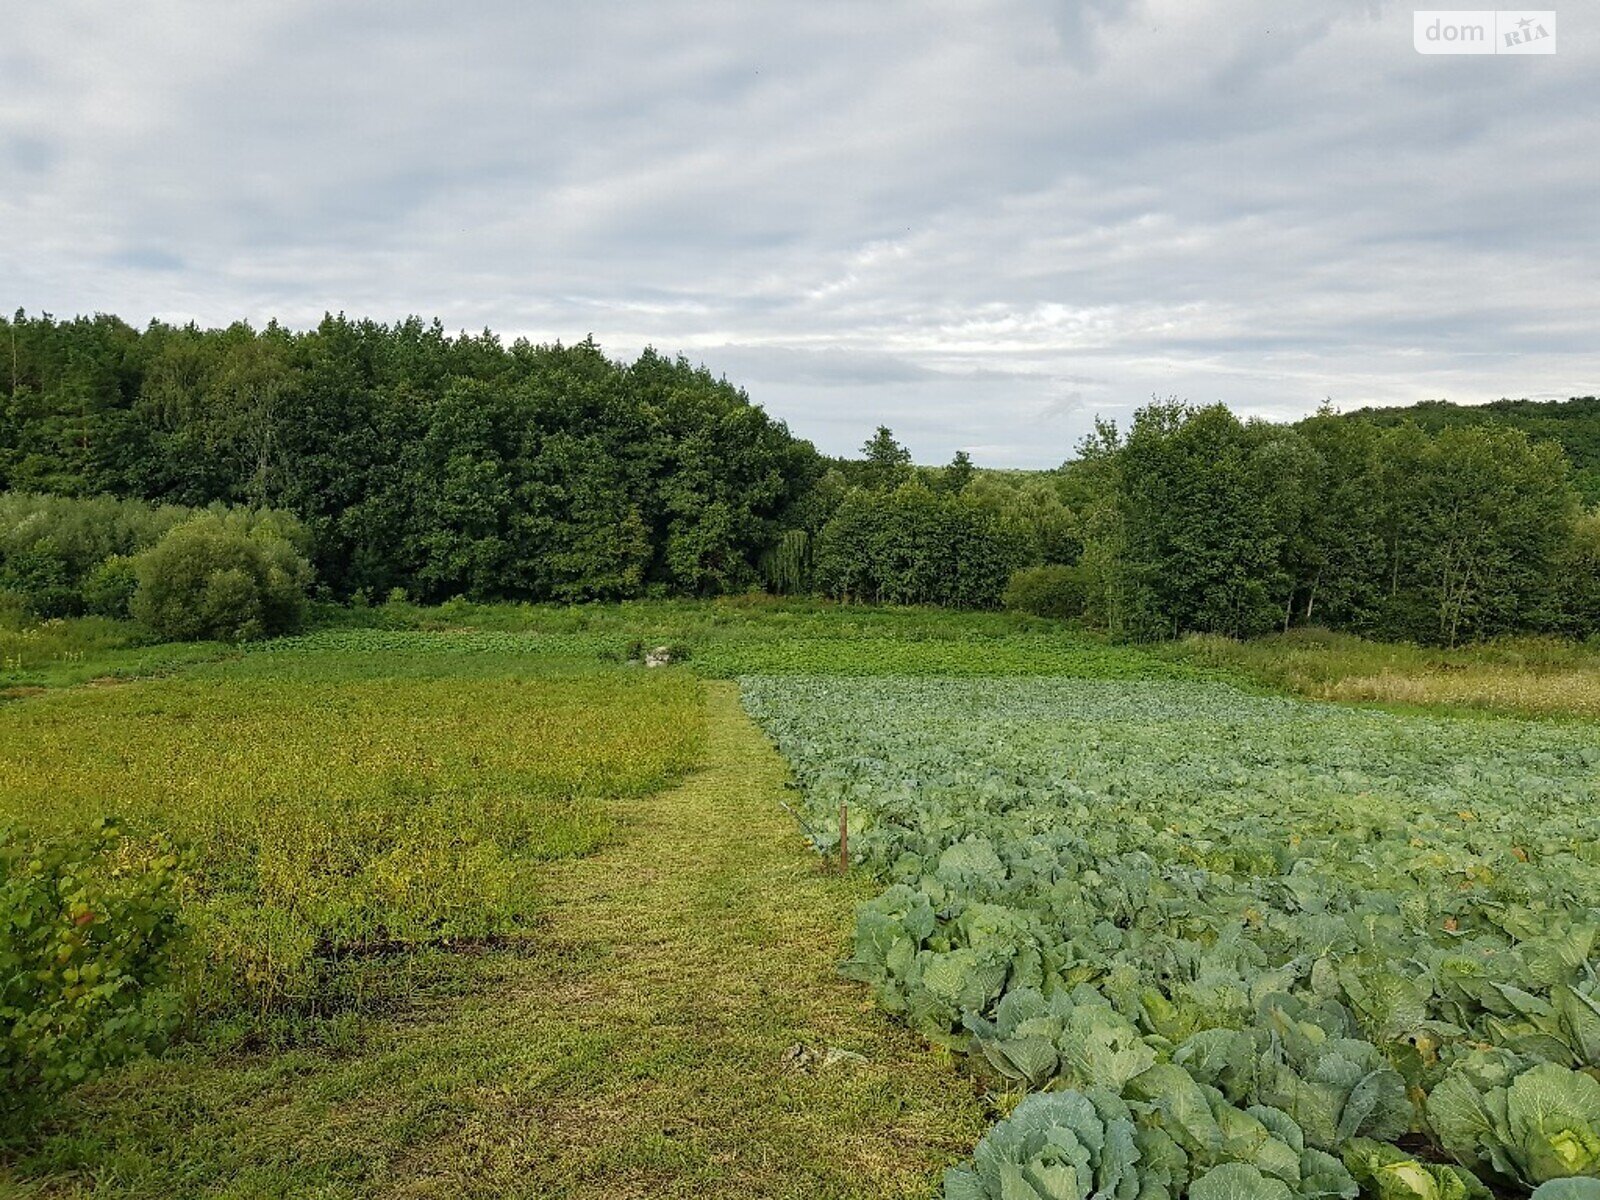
[1245, 946]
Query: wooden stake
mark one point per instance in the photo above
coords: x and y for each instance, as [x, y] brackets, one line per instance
[844, 837]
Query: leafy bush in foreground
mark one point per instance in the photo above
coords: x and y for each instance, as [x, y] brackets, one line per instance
[90, 928]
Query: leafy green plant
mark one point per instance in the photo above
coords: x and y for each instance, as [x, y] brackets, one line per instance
[1061, 1146]
[87, 961]
[1165, 1137]
[1520, 1122]
[1575, 1188]
[1388, 1173]
[1214, 902]
[108, 589]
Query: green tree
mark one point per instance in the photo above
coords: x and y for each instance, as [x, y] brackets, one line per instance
[958, 475]
[888, 463]
[915, 546]
[1092, 485]
[1577, 572]
[1203, 540]
[1495, 511]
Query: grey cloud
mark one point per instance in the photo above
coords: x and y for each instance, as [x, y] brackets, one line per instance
[147, 259]
[820, 368]
[981, 224]
[31, 154]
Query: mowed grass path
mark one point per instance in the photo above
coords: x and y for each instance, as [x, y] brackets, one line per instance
[638, 1044]
[683, 965]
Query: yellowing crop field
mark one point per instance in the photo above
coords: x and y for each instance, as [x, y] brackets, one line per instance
[337, 815]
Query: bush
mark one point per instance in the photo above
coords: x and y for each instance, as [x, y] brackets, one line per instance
[1048, 591]
[14, 612]
[224, 576]
[108, 589]
[40, 578]
[86, 963]
[50, 546]
[913, 546]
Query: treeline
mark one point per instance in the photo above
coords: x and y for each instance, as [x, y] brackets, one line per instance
[1195, 521]
[432, 465]
[440, 465]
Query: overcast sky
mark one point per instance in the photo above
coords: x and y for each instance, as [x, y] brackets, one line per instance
[978, 222]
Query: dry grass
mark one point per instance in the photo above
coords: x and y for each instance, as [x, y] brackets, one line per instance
[1502, 689]
[1540, 677]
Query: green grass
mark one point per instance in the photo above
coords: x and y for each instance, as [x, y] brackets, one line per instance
[727, 638]
[64, 653]
[760, 635]
[754, 615]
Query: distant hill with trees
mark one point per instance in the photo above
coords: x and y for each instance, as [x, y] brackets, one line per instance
[1573, 424]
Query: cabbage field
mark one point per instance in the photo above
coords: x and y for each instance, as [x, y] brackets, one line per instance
[1231, 946]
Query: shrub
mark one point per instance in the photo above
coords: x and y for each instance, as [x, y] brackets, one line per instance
[108, 589]
[228, 576]
[913, 546]
[1048, 591]
[91, 933]
[39, 577]
[50, 546]
[14, 612]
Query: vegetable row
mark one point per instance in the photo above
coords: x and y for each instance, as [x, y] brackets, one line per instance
[1327, 949]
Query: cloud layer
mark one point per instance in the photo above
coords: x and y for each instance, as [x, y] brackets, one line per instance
[980, 223]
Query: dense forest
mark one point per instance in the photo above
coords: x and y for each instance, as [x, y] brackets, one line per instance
[378, 460]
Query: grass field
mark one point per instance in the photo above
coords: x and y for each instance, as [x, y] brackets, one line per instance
[746, 635]
[408, 793]
[1528, 676]
[671, 1024]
